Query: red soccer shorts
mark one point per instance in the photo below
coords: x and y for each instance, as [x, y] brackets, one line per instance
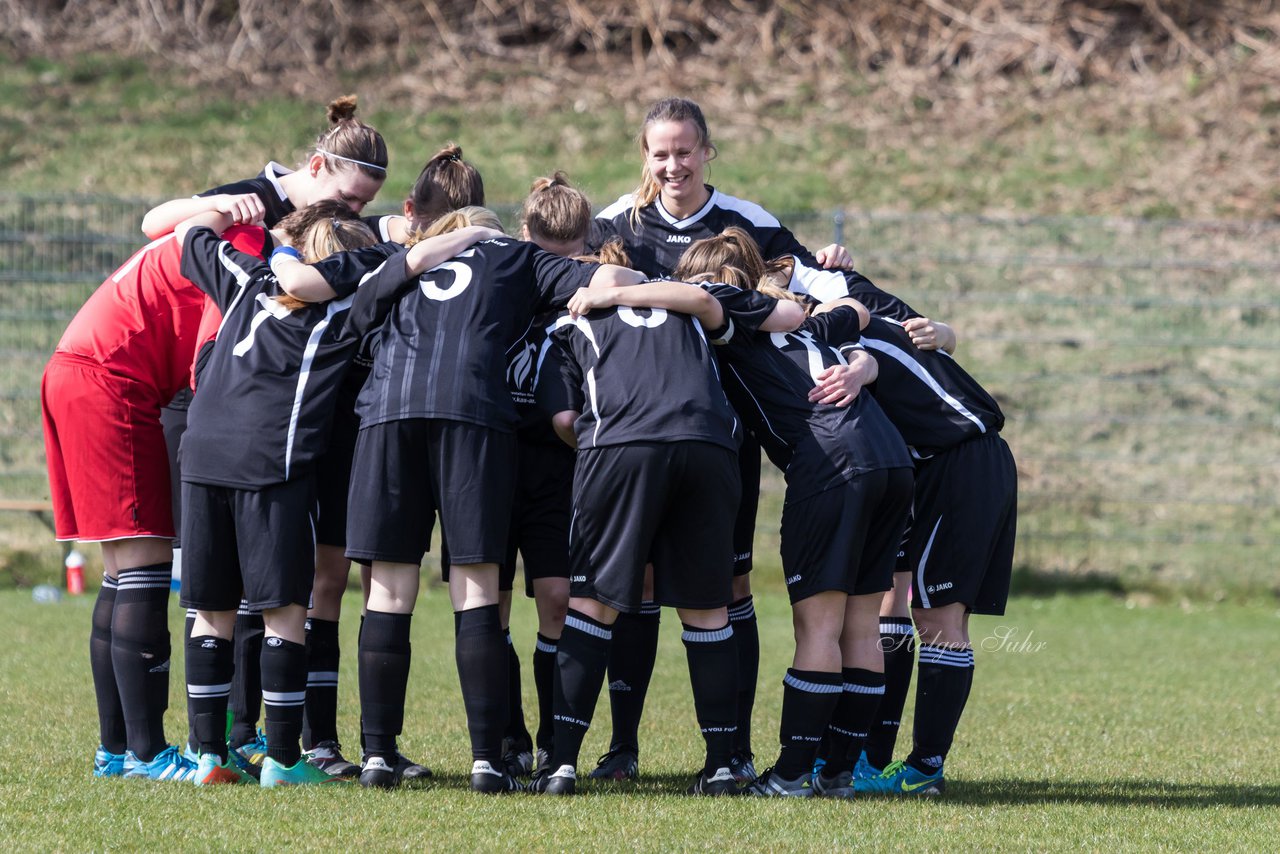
[108, 468]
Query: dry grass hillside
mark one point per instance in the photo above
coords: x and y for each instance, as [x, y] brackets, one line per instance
[909, 76]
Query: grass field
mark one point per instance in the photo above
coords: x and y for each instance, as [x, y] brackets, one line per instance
[1096, 723]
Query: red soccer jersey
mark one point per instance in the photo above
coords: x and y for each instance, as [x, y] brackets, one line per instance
[144, 321]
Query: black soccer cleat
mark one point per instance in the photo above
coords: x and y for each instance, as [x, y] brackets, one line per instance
[620, 763]
[492, 781]
[720, 783]
[377, 773]
[562, 781]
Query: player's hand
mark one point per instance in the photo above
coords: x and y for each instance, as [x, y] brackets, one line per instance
[834, 257]
[838, 385]
[924, 333]
[243, 210]
[589, 299]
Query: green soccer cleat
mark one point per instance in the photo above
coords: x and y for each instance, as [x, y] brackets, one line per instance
[300, 773]
[899, 778]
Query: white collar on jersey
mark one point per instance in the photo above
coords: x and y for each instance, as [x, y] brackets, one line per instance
[274, 172]
[689, 220]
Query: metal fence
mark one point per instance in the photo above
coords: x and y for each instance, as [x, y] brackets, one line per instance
[1135, 361]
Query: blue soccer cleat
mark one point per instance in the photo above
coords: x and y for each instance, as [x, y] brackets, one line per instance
[107, 764]
[168, 764]
[901, 779]
[864, 770]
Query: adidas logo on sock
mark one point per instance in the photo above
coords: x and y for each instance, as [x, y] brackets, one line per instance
[482, 767]
[619, 685]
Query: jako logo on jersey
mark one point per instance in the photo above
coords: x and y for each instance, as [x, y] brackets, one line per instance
[579, 579]
[679, 238]
[934, 588]
[793, 579]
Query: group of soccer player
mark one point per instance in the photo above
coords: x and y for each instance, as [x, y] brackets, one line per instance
[592, 397]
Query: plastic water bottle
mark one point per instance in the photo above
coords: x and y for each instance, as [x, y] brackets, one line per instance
[75, 573]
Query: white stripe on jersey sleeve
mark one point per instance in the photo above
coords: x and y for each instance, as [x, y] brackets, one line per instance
[621, 206]
[748, 210]
[899, 355]
[242, 279]
[822, 285]
[137, 256]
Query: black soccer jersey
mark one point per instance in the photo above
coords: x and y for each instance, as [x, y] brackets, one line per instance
[638, 375]
[657, 245]
[443, 351]
[826, 285]
[932, 401]
[266, 185]
[269, 387]
[768, 377]
[523, 363]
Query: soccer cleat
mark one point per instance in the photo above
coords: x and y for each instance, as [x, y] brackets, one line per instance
[562, 781]
[211, 770]
[899, 778]
[864, 770]
[719, 784]
[492, 781]
[620, 763]
[772, 785]
[300, 773]
[406, 769]
[327, 756]
[243, 764]
[253, 752]
[168, 764]
[743, 767]
[517, 758]
[379, 774]
[839, 786]
[542, 763]
[107, 764]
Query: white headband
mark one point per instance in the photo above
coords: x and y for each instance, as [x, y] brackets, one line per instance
[381, 169]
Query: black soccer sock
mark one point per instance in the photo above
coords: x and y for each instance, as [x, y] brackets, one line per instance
[746, 634]
[898, 640]
[713, 673]
[188, 624]
[631, 660]
[246, 685]
[856, 709]
[481, 654]
[942, 688]
[809, 698]
[384, 656]
[140, 654]
[284, 695]
[516, 730]
[544, 674]
[209, 667]
[582, 656]
[320, 718]
[359, 635]
[111, 730]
